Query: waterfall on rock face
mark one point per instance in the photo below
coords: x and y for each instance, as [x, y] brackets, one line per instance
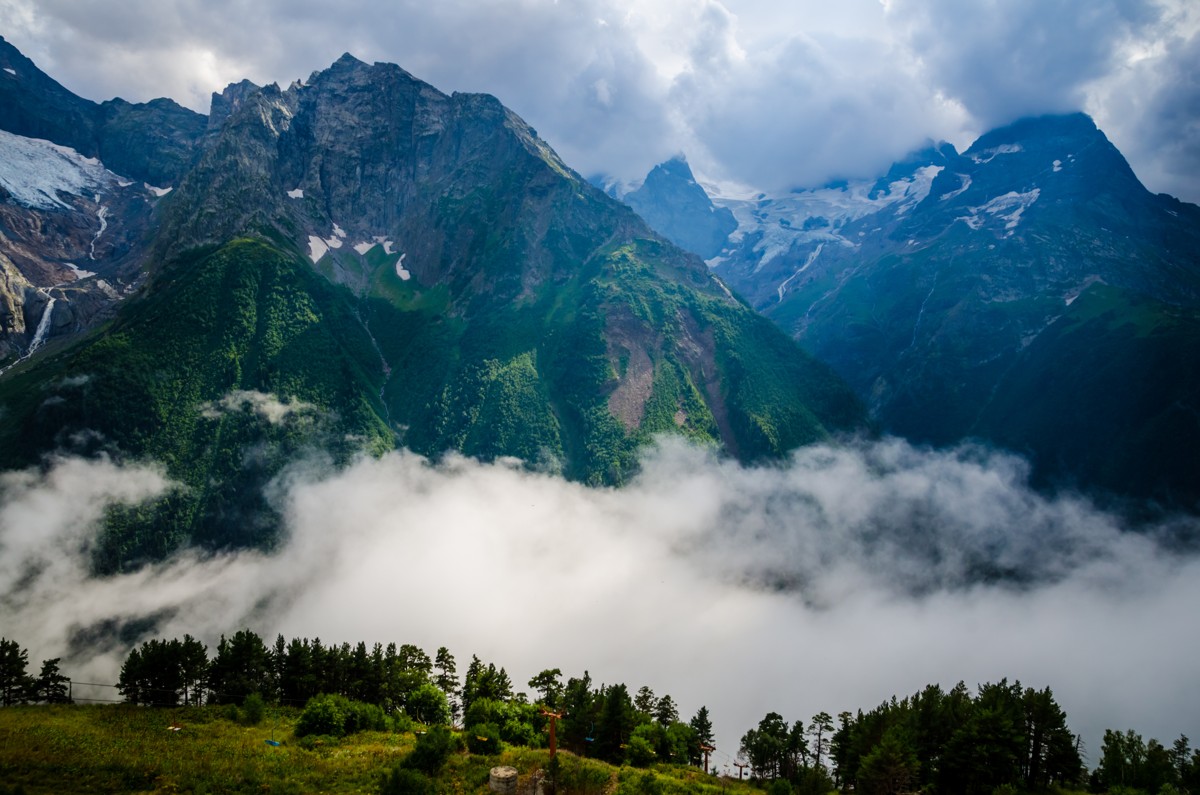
[43, 328]
[40, 333]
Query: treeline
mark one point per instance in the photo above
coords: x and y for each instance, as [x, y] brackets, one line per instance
[1003, 738]
[604, 721]
[17, 686]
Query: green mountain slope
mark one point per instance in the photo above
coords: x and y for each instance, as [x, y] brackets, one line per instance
[1118, 362]
[400, 266]
[244, 318]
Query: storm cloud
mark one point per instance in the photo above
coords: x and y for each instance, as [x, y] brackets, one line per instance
[828, 582]
[759, 94]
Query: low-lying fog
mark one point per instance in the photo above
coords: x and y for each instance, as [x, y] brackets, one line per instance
[828, 583]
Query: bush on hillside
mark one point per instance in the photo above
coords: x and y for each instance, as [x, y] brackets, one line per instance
[431, 751]
[403, 781]
[337, 716]
[484, 739]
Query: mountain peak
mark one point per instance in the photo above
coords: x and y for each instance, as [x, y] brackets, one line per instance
[674, 204]
[1065, 152]
[1068, 127]
[226, 103]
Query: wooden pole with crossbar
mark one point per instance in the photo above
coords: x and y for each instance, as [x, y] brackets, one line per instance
[553, 716]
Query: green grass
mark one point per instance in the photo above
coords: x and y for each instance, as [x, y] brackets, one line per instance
[118, 748]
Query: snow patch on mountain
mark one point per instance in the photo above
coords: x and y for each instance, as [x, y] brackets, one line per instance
[817, 216]
[363, 248]
[159, 192]
[11, 71]
[988, 155]
[1071, 295]
[1008, 208]
[316, 248]
[966, 183]
[401, 271]
[79, 272]
[35, 172]
[298, 193]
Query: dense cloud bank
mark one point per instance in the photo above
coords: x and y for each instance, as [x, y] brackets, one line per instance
[770, 95]
[828, 583]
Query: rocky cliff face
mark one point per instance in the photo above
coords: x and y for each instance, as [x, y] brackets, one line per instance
[78, 181]
[72, 242]
[674, 204]
[456, 226]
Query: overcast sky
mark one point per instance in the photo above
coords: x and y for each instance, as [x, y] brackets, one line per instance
[770, 94]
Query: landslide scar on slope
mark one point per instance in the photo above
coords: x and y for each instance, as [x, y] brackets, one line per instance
[634, 367]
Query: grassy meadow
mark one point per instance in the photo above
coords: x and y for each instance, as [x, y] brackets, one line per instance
[118, 748]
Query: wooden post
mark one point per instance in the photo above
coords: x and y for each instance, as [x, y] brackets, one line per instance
[741, 766]
[553, 716]
[706, 749]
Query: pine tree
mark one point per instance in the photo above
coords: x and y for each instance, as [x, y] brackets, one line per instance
[702, 727]
[665, 712]
[470, 688]
[615, 725]
[50, 687]
[447, 672]
[645, 701]
[193, 669]
[241, 666]
[14, 681]
[702, 723]
[578, 704]
[821, 726]
[548, 685]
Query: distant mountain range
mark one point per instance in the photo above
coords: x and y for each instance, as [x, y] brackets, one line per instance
[1029, 292]
[352, 263]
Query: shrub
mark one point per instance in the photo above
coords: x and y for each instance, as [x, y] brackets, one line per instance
[253, 709]
[641, 752]
[323, 715]
[403, 781]
[431, 751]
[338, 716]
[363, 717]
[779, 787]
[520, 732]
[644, 783]
[428, 705]
[484, 710]
[483, 738]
